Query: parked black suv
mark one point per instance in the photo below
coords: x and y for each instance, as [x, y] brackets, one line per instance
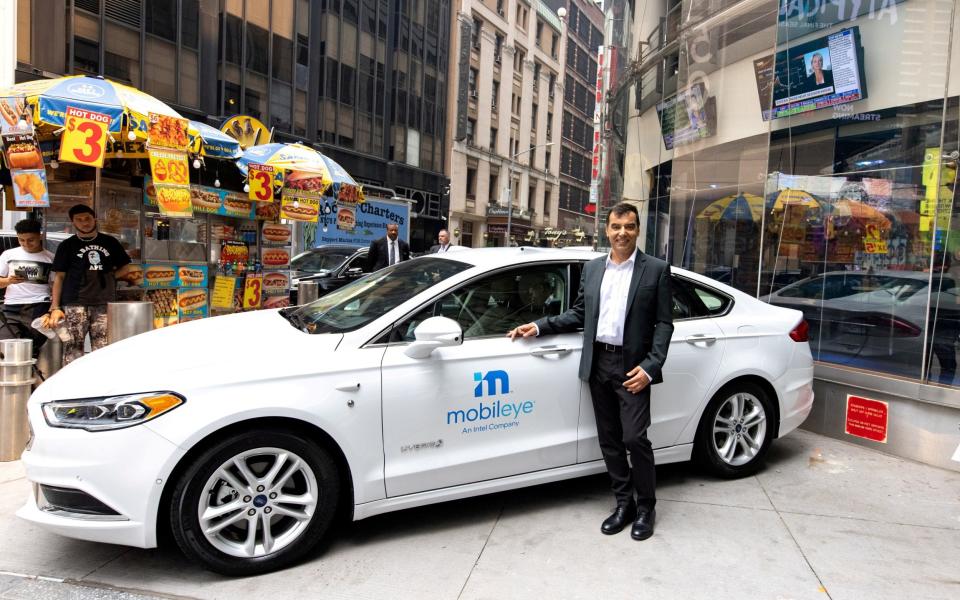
[331, 266]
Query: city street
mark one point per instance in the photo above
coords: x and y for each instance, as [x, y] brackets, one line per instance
[824, 519]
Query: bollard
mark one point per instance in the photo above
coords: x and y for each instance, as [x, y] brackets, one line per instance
[16, 380]
[307, 292]
[127, 319]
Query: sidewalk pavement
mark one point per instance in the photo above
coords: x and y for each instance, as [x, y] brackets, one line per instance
[823, 520]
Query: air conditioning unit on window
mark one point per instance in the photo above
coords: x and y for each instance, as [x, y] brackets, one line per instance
[473, 93]
[500, 11]
[497, 59]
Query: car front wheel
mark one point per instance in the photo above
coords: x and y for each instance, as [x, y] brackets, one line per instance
[736, 430]
[255, 503]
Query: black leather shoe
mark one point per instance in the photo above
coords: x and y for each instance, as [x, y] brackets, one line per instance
[623, 514]
[643, 526]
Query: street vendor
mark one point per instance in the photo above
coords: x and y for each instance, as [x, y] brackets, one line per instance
[24, 276]
[85, 269]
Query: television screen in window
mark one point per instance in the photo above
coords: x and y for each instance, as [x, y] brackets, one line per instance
[687, 117]
[817, 74]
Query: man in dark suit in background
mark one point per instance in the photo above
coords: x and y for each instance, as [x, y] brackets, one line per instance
[625, 307]
[387, 250]
[443, 242]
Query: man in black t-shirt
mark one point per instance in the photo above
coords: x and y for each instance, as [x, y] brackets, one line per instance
[85, 270]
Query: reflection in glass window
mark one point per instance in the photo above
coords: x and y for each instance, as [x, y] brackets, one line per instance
[366, 299]
[497, 303]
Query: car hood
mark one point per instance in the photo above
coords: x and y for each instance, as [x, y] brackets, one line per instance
[197, 354]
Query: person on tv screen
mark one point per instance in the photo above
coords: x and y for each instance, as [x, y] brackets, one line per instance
[818, 77]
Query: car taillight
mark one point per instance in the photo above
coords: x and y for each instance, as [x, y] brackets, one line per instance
[801, 333]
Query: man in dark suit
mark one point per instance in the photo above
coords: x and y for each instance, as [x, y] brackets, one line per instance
[443, 242]
[387, 250]
[625, 307]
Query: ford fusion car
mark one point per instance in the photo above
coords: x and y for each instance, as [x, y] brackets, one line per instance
[245, 436]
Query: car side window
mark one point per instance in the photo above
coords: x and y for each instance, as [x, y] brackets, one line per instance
[691, 300]
[358, 262]
[492, 305]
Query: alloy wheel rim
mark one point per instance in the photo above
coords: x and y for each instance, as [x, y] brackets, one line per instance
[258, 502]
[739, 429]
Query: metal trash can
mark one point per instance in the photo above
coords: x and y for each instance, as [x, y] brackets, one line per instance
[127, 319]
[307, 292]
[16, 381]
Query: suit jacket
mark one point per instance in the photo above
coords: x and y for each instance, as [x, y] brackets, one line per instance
[377, 257]
[436, 248]
[648, 324]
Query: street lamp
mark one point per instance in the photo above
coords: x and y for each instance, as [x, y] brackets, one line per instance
[506, 241]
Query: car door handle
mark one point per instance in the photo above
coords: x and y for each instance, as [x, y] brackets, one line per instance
[347, 387]
[548, 350]
[701, 337]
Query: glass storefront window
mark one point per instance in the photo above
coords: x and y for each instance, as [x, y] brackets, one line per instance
[810, 158]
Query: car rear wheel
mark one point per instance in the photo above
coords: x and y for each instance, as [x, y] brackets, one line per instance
[735, 431]
[255, 503]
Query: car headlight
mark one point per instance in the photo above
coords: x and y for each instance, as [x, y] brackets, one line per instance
[111, 412]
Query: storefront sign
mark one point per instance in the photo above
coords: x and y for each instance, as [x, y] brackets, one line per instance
[84, 139]
[168, 132]
[19, 142]
[299, 208]
[867, 418]
[30, 188]
[275, 234]
[246, 130]
[597, 123]
[252, 292]
[223, 288]
[192, 304]
[192, 276]
[872, 242]
[234, 252]
[165, 307]
[171, 182]
[261, 182]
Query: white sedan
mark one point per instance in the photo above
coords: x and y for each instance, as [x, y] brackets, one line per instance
[245, 436]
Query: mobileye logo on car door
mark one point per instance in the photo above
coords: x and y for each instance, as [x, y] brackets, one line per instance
[506, 413]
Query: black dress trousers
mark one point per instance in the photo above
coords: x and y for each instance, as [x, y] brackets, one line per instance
[622, 422]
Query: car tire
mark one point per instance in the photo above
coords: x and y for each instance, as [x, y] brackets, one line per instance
[282, 486]
[736, 430]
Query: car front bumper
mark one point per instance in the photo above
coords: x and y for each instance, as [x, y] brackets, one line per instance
[126, 470]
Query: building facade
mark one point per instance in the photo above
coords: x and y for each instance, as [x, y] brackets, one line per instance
[505, 133]
[364, 81]
[584, 38]
[806, 153]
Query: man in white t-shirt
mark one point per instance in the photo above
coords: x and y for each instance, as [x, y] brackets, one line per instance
[24, 277]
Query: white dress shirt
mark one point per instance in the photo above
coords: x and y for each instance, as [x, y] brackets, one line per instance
[613, 300]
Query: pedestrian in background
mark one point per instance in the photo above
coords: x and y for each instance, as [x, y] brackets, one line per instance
[25, 277]
[625, 307]
[85, 270]
[443, 242]
[388, 250]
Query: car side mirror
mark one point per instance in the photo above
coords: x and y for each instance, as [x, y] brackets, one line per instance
[433, 333]
[354, 272]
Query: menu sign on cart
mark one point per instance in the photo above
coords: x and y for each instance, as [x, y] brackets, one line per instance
[223, 288]
[84, 139]
[168, 132]
[261, 182]
[171, 182]
[252, 292]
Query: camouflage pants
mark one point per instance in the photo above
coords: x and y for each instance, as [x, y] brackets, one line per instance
[79, 321]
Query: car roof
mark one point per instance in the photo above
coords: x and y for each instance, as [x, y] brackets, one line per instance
[491, 258]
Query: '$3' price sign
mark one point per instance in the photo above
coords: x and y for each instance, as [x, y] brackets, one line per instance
[261, 182]
[253, 292]
[84, 138]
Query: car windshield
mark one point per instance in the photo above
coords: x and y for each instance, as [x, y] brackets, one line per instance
[366, 299]
[325, 260]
